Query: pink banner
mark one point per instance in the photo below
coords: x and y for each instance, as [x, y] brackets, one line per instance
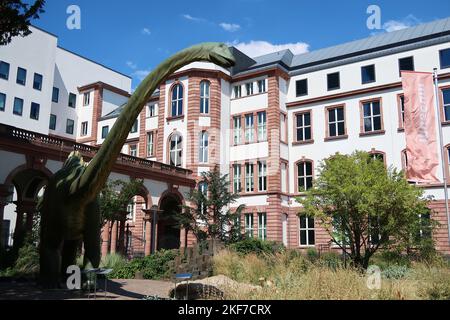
[420, 127]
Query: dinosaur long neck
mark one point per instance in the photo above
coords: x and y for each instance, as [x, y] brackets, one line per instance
[98, 170]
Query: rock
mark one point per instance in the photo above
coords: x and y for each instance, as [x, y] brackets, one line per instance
[215, 287]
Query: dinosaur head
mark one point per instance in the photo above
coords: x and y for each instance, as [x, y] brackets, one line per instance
[221, 55]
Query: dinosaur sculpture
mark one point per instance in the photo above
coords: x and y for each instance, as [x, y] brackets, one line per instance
[69, 208]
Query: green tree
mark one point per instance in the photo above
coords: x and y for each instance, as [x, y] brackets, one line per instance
[209, 214]
[115, 197]
[364, 206]
[15, 18]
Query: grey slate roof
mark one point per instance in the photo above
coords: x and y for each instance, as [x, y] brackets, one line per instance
[378, 42]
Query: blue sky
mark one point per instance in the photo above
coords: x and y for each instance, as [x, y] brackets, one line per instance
[133, 36]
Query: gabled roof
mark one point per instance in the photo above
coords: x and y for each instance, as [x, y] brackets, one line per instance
[380, 42]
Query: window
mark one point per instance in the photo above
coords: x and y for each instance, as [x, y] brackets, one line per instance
[401, 106]
[368, 74]
[284, 177]
[307, 232]
[176, 150]
[203, 188]
[55, 95]
[204, 97]
[152, 111]
[86, 98]
[237, 91]
[261, 86]
[283, 128]
[37, 83]
[405, 64]
[105, 131]
[377, 156]
[237, 127]
[333, 81]
[2, 101]
[446, 102]
[248, 225]
[262, 176]
[72, 100]
[237, 178]
[305, 175]
[262, 126]
[150, 144]
[203, 147]
[444, 58]
[303, 126]
[262, 226]
[133, 150]
[425, 227]
[372, 116]
[4, 70]
[301, 87]
[249, 88]
[177, 100]
[52, 125]
[69, 126]
[249, 127]
[21, 76]
[249, 182]
[84, 128]
[131, 210]
[18, 106]
[404, 160]
[34, 111]
[134, 128]
[336, 122]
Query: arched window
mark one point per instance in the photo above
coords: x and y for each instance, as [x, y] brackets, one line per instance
[177, 100]
[203, 147]
[204, 96]
[176, 150]
[404, 160]
[377, 155]
[304, 175]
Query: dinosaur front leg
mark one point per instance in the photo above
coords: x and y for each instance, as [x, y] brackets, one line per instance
[50, 264]
[91, 234]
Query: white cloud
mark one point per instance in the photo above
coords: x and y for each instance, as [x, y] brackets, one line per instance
[258, 48]
[191, 18]
[231, 27]
[141, 74]
[131, 65]
[394, 25]
[146, 31]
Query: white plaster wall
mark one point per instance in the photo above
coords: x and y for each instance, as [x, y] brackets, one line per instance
[35, 53]
[249, 151]
[72, 71]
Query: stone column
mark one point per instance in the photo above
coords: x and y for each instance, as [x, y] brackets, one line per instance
[105, 239]
[148, 232]
[5, 193]
[121, 245]
[113, 236]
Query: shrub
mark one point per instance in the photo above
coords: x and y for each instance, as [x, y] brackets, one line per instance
[330, 260]
[27, 263]
[312, 254]
[113, 261]
[155, 266]
[395, 272]
[257, 246]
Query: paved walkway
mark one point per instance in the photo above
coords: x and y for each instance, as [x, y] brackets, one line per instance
[116, 290]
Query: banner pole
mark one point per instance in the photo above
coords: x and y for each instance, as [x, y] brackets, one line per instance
[441, 140]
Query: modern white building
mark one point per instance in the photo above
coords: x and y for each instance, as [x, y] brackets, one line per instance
[267, 122]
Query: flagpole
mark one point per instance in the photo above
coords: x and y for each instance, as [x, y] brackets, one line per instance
[441, 140]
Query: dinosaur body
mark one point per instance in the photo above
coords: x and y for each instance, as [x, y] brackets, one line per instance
[69, 209]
